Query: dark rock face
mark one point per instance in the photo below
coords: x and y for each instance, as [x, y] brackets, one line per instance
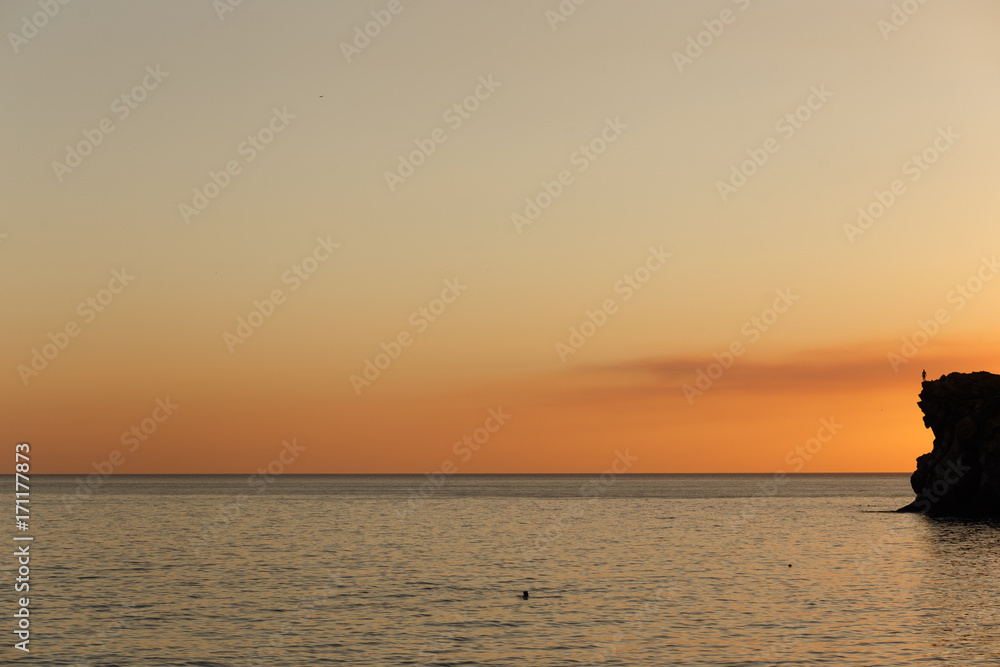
[961, 476]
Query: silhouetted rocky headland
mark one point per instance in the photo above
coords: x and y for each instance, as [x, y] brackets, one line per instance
[961, 476]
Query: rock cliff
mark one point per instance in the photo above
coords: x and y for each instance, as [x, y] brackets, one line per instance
[961, 475]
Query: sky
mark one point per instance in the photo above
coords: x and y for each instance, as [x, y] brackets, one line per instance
[493, 237]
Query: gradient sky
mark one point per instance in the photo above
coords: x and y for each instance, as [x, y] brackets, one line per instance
[892, 95]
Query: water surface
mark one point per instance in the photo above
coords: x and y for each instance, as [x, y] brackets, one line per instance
[375, 570]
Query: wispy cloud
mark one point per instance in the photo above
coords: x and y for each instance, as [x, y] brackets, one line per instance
[856, 368]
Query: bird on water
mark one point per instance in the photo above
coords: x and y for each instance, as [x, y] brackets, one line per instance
[524, 595]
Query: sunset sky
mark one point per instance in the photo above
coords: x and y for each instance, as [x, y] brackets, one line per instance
[268, 148]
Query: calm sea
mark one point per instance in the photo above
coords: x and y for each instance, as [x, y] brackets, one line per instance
[638, 570]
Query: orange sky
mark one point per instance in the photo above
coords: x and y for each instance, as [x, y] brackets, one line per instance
[579, 226]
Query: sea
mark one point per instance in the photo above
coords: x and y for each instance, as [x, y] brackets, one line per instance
[808, 569]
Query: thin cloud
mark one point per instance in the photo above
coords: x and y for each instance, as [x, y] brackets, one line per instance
[857, 368]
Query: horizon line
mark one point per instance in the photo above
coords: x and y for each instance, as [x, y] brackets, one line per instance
[470, 474]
